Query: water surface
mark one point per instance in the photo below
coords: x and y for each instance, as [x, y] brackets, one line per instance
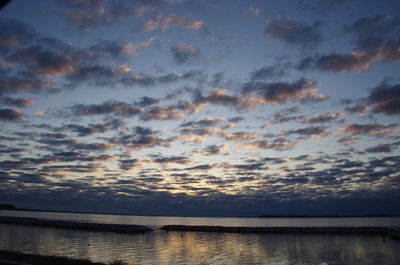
[164, 248]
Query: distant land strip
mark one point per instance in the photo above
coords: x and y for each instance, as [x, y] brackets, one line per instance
[116, 228]
[390, 232]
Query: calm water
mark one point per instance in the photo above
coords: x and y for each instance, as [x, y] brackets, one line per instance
[161, 247]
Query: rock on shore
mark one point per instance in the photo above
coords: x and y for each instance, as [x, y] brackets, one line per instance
[117, 228]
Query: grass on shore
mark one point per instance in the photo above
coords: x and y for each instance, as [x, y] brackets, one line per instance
[50, 260]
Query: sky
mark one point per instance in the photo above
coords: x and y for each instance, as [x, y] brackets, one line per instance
[201, 107]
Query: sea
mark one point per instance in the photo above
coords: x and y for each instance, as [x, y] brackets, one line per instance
[160, 247]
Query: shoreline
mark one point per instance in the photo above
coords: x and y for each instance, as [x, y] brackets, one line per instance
[101, 227]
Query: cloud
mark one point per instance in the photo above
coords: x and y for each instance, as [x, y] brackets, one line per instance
[278, 144]
[271, 72]
[206, 122]
[93, 128]
[371, 32]
[323, 118]
[12, 115]
[374, 129]
[171, 160]
[338, 62]
[44, 61]
[24, 82]
[17, 102]
[280, 92]
[385, 99]
[141, 138]
[146, 101]
[253, 11]
[376, 40]
[310, 131]
[239, 136]
[380, 148]
[357, 108]
[163, 23]
[13, 33]
[212, 150]
[160, 113]
[109, 107]
[184, 52]
[293, 32]
[128, 164]
[348, 140]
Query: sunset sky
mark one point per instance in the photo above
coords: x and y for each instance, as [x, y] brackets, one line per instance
[201, 107]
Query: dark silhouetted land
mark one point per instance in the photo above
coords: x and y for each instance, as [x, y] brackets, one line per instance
[386, 231]
[116, 228]
[7, 207]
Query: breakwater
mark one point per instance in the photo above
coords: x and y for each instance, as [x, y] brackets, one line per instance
[116, 228]
[305, 230]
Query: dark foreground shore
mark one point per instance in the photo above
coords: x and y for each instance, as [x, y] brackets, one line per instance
[116, 228]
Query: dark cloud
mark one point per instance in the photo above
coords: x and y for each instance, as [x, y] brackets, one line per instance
[310, 131]
[236, 119]
[380, 148]
[293, 32]
[279, 144]
[385, 99]
[207, 122]
[372, 32]
[109, 107]
[147, 101]
[183, 52]
[375, 129]
[338, 62]
[128, 164]
[323, 118]
[24, 82]
[271, 72]
[357, 108]
[92, 128]
[348, 140]
[171, 160]
[212, 150]
[12, 115]
[140, 138]
[280, 92]
[17, 102]
[13, 33]
[44, 61]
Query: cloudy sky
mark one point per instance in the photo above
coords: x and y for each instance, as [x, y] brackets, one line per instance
[201, 107]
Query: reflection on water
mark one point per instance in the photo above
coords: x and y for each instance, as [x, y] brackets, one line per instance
[160, 247]
[157, 221]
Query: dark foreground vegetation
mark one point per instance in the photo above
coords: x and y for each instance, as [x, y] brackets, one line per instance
[17, 257]
[116, 228]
